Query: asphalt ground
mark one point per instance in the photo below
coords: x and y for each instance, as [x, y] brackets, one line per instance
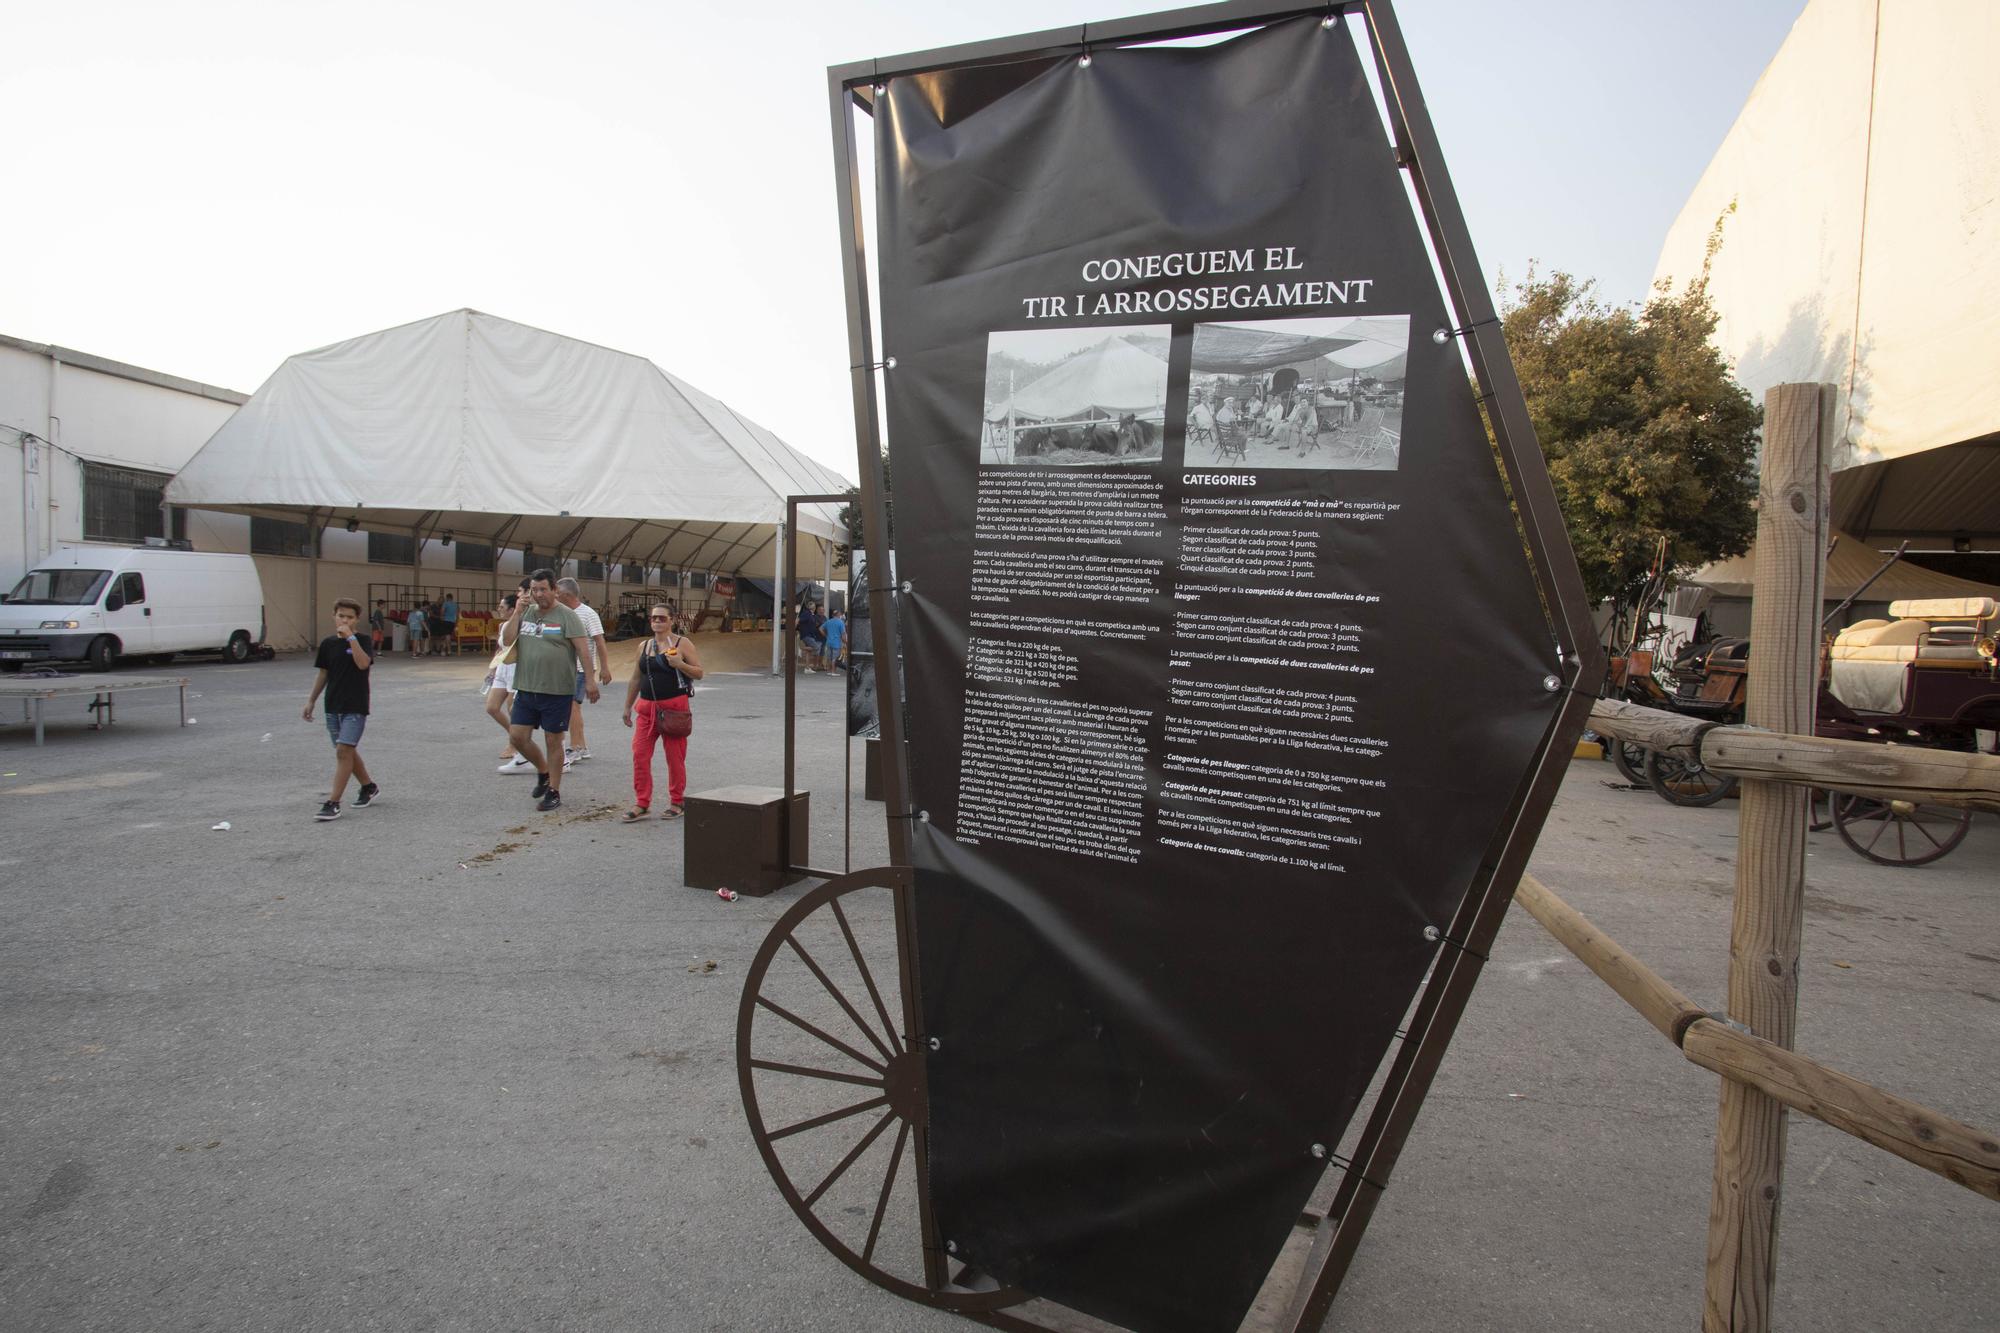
[450, 1064]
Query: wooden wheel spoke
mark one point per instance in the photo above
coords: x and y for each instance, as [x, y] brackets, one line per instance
[805, 1071]
[829, 1118]
[832, 1041]
[867, 978]
[1882, 826]
[849, 1160]
[839, 998]
[1920, 827]
[882, 1203]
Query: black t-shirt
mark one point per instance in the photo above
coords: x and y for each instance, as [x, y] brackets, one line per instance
[346, 683]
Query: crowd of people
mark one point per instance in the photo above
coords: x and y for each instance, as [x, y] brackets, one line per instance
[552, 660]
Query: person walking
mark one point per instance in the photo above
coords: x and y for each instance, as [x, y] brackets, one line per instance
[835, 630]
[548, 643]
[378, 627]
[343, 676]
[448, 617]
[416, 624]
[598, 665]
[499, 685]
[657, 700]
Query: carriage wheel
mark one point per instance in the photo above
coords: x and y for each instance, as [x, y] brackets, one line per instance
[834, 1087]
[1899, 833]
[1629, 758]
[1819, 810]
[1682, 783]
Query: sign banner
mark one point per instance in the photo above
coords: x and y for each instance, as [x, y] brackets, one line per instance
[1224, 644]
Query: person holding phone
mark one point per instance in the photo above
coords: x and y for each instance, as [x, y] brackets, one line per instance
[657, 702]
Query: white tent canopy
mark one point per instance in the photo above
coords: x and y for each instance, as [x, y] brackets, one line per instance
[1112, 378]
[1863, 250]
[499, 433]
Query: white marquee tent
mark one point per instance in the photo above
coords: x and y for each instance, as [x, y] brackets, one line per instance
[1863, 250]
[1110, 379]
[475, 427]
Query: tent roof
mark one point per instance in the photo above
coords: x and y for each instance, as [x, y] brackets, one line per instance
[1847, 568]
[1362, 343]
[1860, 244]
[1112, 377]
[498, 432]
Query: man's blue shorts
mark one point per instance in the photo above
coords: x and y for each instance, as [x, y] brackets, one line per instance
[550, 712]
[345, 728]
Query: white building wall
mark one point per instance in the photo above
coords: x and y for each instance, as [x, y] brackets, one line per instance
[59, 408]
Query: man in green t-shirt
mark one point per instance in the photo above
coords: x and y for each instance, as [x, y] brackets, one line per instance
[548, 641]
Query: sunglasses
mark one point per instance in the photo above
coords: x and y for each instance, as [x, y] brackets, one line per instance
[658, 617]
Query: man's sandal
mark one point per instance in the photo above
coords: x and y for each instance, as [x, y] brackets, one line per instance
[633, 815]
[672, 812]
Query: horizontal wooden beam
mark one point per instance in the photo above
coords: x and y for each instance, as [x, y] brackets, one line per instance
[1882, 770]
[1959, 1152]
[1638, 985]
[1956, 1151]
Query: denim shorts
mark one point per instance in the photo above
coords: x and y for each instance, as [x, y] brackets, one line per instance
[345, 728]
[550, 712]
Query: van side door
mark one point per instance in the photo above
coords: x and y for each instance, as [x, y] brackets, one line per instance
[127, 613]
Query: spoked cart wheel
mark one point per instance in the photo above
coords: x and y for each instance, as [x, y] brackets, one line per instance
[1682, 783]
[1819, 810]
[1629, 758]
[1899, 833]
[833, 1083]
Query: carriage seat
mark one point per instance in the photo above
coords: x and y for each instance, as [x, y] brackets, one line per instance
[1905, 640]
[1946, 608]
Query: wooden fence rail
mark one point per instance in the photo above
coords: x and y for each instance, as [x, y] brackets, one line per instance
[1865, 768]
[1954, 1150]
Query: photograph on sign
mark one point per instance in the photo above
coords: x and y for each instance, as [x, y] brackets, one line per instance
[1075, 397]
[1299, 393]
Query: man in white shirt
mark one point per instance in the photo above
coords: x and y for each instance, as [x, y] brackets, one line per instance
[599, 665]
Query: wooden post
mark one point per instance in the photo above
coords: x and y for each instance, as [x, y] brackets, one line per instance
[1764, 938]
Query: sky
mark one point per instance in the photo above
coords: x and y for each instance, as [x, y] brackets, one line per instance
[207, 187]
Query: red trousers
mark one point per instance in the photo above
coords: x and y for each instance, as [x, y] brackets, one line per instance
[644, 731]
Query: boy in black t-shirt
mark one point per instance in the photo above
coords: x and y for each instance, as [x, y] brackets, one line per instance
[343, 674]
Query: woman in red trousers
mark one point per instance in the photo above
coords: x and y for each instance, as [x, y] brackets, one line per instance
[656, 707]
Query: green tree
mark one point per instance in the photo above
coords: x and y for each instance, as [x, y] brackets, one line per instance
[1646, 433]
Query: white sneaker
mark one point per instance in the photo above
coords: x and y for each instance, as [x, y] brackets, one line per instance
[517, 765]
[580, 754]
[569, 760]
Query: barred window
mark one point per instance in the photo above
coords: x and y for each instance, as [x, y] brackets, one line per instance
[471, 555]
[391, 548]
[698, 579]
[122, 504]
[633, 573]
[590, 569]
[275, 536]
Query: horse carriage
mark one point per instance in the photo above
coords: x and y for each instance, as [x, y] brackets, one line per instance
[1928, 677]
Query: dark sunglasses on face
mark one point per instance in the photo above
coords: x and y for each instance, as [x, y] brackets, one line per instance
[656, 617]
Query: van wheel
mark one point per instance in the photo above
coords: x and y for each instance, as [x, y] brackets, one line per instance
[103, 653]
[238, 648]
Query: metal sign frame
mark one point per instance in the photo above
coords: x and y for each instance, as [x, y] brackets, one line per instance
[1444, 998]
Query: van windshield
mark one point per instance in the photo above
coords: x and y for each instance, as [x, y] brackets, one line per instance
[59, 587]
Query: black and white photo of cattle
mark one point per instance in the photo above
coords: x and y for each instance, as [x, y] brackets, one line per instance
[1075, 397]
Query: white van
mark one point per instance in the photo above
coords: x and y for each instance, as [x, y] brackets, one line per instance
[97, 604]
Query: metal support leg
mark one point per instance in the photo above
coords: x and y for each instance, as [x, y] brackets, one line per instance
[38, 722]
[184, 703]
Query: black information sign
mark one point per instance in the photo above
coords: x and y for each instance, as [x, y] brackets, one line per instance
[1224, 658]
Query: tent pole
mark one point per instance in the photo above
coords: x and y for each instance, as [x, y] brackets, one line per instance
[312, 575]
[778, 591]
